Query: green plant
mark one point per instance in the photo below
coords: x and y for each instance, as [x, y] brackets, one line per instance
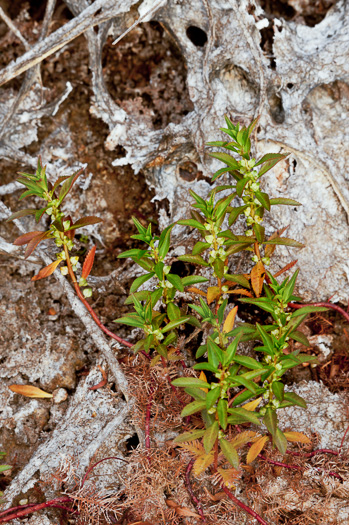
[233, 389]
[259, 379]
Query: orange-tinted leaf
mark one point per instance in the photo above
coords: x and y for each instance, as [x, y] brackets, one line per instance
[241, 291]
[48, 270]
[193, 289]
[203, 377]
[270, 248]
[296, 437]
[201, 463]
[228, 476]
[229, 322]
[252, 404]
[34, 242]
[212, 293]
[244, 437]
[257, 278]
[256, 448]
[29, 391]
[285, 268]
[24, 239]
[87, 266]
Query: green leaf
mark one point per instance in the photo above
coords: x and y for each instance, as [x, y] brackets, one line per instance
[218, 267]
[159, 270]
[189, 436]
[164, 241]
[285, 241]
[263, 199]
[226, 158]
[140, 280]
[295, 399]
[239, 247]
[240, 185]
[195, 406]
[246, 383]
[248, 362]
[190, 382]
[171, 338]
[176, 281]
[134, 253]
[280, 441]
[173, 312]
[200, 247]
[234, 214]
[220, 172]
[259, 231]
[194, 259]
[210, 437]
[269, 160]
[200, 351]
[193, 279]
[286, 202]
[229, 452]
[300, 337]
[5, 467]
[241, 415]
[278, 390]
[68, 184]
[230, 352]
[270, 421]
[309, 310]
[21, 213]
[173, 324]
[212, 396]
[215, 354]
[131, 321]
[237, 278]
[205, 366]
[245, 396]
[192, 223]
[196, 393]
[222, 411]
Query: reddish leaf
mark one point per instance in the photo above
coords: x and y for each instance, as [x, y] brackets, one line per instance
[86, 221]
[87, 267]
[285, 268]
[35, 241]
[101, 383]
[27, 237]
[257, 278]
[59, 181]
[212, 293]
[68, 184]
[48, 270]
[240, 291]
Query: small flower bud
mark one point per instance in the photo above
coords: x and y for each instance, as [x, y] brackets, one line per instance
[247, 212]
[66, 225]
[64, 270]
[250, 221]
[82, 282]
[225, 288]
[49, 211]
[74, 260]
[255, 186]
[254, 258]
[87, 292]
[167, 269]
[209, 238]
[249, 233]
[211, 410]
[266, 260]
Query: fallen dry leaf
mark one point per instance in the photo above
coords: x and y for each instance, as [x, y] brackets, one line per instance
[29, 391]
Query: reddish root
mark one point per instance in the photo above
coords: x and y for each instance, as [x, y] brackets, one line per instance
[244, 507]
[194, 499]
[326, 305]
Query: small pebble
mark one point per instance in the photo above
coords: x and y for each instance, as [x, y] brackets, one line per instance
[59, 395]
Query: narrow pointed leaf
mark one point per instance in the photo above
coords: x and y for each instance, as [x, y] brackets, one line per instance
[176, 281]
[256, 448]
[140, 280]
[48, 270]
[189, 436]
[257, 278]
[192, 408]
[210, 437]
[85, 221]
[229, 452]
[21, 213]
[30, 391]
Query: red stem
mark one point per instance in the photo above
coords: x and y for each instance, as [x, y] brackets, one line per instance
[34, 508]
[296, 467]
[243, 506]
[327, 305]
[314, 453]
[343, 438]
[88, 307]
[95, 465]
[190, 490]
